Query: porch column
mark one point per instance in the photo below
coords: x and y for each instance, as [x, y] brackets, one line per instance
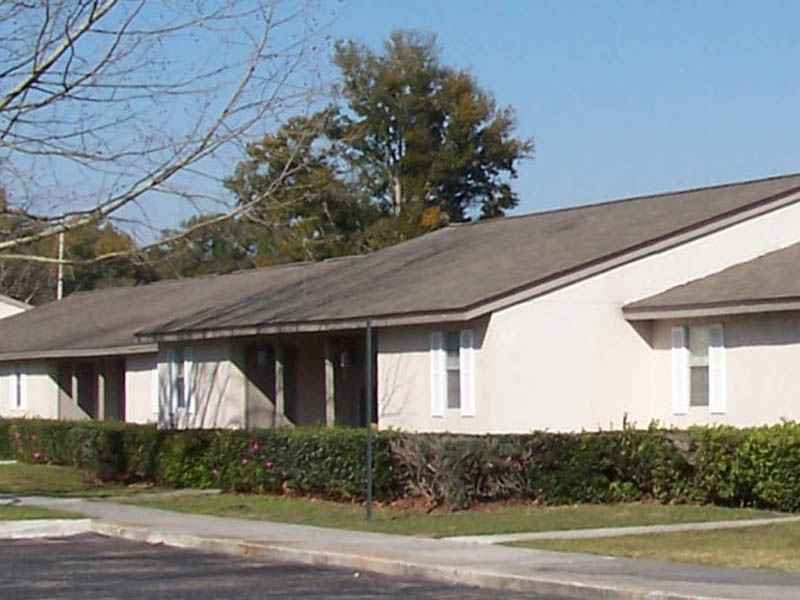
[280, 385]
[330, 392]
[74, 385]
[101, 391]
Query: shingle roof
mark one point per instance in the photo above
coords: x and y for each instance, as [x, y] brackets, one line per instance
[771, 279]
[437, 276]
[465, 266]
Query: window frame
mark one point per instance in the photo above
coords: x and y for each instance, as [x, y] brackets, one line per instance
[17, 391]
[699, 362]
[180, 366]
[442, 372]
[449, 369]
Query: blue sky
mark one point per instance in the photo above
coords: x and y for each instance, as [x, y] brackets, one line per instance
[622, 98]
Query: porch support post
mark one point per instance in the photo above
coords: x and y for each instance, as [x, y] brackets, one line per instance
[101, 391]
[74, 384]
[330, 392]
[280, 385]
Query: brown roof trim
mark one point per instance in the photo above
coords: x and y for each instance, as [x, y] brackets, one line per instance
[80, 352]
[711, 309]
[509, 297]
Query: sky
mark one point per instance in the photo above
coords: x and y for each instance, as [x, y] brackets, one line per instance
[621, 98]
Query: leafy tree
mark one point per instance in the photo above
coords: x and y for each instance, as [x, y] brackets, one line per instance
[412, 145]
[303, 207]
[417, 131]
[222, 247]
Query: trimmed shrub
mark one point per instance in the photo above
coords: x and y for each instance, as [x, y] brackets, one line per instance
[758, 467]
[328, 463]
[6, 449]
[542, 467]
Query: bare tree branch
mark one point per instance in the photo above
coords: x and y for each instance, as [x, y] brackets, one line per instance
[111, 108]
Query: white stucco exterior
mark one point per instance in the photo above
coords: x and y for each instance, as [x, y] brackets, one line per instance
[217, 387]
[39, 390]
[141, 388]
[568, 360]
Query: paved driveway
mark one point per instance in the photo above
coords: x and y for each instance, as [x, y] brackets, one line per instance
[93, 567]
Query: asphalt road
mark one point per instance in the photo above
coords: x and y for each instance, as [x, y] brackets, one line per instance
[93, 567]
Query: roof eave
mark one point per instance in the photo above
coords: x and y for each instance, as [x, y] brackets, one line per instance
[710, 309]
[80, 352]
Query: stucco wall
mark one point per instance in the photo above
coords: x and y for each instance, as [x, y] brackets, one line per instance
[41, 396]
[218, 387]
[762, 355]
[140, 387]
[568, 360]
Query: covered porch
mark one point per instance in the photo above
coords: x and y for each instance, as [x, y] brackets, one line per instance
[91, 388]
[307, 379]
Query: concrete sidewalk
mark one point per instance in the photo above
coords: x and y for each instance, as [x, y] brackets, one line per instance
[605, 532]
[570, 575]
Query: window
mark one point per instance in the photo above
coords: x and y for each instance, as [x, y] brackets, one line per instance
[699, 342]
[699, 377]
[452, 345]
[180, 378]
[16, 391]
[452, 372]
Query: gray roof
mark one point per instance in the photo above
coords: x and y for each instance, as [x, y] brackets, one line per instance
[769, 282]
[455, 273]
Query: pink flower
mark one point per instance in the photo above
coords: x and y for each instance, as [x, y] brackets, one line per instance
[245, 461]
[268, 465]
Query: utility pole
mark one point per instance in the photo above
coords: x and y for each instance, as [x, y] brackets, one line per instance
[60, 288]
[368, 362]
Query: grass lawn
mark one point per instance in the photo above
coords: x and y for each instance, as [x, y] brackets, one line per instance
[49, 480]
[485, 520]
[19, 513]
[768, 546]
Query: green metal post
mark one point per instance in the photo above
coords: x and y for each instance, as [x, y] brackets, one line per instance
[369, 419]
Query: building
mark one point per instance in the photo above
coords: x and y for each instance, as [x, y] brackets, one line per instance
[680, 307]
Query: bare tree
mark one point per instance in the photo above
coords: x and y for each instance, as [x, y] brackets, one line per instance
[133, 111]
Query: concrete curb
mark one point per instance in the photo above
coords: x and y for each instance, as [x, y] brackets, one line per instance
[605, 532]
[41, 528]
[488, 579]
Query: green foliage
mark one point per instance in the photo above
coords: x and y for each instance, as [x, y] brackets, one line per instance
[6, 447]
[328, 463]
[419, 132]
[756, 467]
[409, 146]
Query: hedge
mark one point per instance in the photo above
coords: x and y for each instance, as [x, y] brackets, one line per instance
[313, 461]
[758, 467]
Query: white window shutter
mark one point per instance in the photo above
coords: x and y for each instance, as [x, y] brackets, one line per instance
[188, 378]
[12, 390]
[467, 371]
[438, 380]
[717, 372]
[171, 390]
[155, 393]
[23, 389]
[680, 372]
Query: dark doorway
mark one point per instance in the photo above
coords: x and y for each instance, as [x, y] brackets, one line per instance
[86, 374]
